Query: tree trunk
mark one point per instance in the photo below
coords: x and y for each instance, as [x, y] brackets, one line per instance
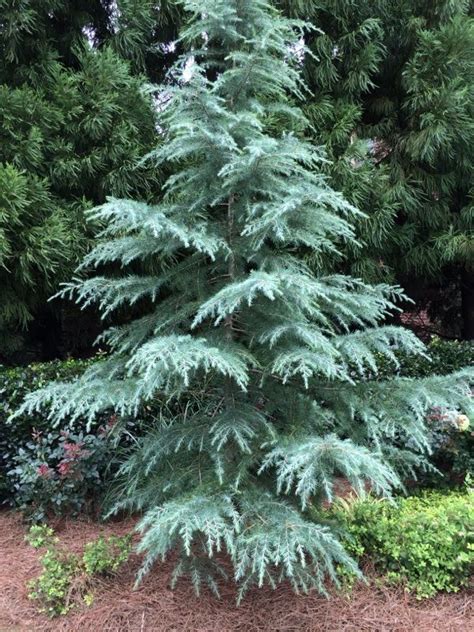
[467, 303]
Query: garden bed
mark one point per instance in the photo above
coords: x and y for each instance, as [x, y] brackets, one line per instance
[154, 607]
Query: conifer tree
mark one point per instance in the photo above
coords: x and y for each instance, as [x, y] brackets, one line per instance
[392, 100]
[348, 51]
[421, 112]
[74, 124]
[371, 59]
[146, 33]
[267, 369]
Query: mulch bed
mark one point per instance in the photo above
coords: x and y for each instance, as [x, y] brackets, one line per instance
[154, 607]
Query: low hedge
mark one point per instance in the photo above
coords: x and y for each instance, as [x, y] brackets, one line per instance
[425, 543]
[443, 357]
[453, 447]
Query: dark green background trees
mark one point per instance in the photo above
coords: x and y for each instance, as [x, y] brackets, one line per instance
[392, 95]
[422, 110]
[74, 124]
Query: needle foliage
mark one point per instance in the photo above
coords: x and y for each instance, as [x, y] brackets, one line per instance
[267, 368]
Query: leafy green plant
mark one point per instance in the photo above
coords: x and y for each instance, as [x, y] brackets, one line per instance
[15, 384]
[441, 357]
[74, 123]
[422, 542]
[67, 578]
[40, 535]
[450, 433]
[53, 587]
[58, 472]
[105, 555]
[40, 470]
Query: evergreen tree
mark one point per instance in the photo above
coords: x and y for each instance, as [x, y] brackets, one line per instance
[392, 100]
[348, 50]
[74, 124]
[421, 112]
[146, 33]
[268, 370]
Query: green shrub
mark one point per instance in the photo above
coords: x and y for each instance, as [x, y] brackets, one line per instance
[40, 535]
[443, 357]
[53, 587]
[105, 555]
[422, 542]
[15, 384]
[61, 472]
[44, 469]
[451, 441]
[67, 578]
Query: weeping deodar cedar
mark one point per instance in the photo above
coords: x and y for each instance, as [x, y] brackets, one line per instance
[273, 362]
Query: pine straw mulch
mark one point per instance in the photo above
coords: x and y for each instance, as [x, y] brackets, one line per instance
[154, 607]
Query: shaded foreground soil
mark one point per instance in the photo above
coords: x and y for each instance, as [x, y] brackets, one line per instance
[155, 608]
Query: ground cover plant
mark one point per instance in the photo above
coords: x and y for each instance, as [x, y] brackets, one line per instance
[67, 578]
[425, 542]
[269, 361]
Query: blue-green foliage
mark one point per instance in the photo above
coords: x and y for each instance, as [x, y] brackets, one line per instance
[236, 322]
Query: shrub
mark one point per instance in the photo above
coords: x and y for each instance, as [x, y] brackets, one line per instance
[44, 469]
[67, 578]
[106, 555]
[442, 358]
[40, 535]
[15, 384]
[53, 587]
[58, 472]
[422, 542]
[451, 435]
